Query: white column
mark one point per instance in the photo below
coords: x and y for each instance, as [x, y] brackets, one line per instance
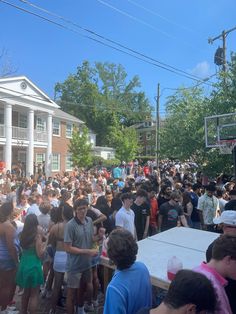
[48, 161]
[30, 149]
[8, 135]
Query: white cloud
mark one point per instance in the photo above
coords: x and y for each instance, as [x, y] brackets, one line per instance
[202, 69]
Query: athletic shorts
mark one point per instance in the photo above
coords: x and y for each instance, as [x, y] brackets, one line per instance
[73, 278]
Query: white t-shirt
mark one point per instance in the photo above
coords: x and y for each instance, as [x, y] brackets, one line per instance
[125, 219]
[222, 204]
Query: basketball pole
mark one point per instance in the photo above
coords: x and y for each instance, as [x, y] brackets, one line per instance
[234, 157]
[158, 144]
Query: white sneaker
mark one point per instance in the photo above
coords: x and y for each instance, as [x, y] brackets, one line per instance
[7, 311]
[11, 308]
[89, 307]
[95, 303]
[80, 310]
[49, 294]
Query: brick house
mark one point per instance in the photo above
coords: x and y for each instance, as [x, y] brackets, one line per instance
[33, 130]
[146, 135]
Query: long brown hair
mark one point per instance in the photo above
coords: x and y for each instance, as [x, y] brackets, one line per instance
[5, 211]
[29, 232]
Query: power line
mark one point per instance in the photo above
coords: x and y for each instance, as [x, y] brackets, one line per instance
[138, 55]
[107, 39]
[190, 87]
[22, 95]
[159, 15]
[141, 21]
[134, 18]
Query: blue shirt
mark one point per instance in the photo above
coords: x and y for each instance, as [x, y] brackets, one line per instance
[129, 290]
[116, 173]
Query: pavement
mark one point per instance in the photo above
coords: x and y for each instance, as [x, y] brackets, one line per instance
[44, 305]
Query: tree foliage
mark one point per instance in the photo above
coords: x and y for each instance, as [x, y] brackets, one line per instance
[125, 141]
[104, 98]
[80, 148]
[183, 134]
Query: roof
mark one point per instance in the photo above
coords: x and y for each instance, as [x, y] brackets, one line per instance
[66, 116]
[21, 86]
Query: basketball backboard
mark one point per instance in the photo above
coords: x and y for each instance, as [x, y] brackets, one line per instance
[220, 129]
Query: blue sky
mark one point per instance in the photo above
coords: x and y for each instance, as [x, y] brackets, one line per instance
[173, 32]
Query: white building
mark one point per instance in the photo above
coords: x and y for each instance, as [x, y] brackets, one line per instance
[33, 129]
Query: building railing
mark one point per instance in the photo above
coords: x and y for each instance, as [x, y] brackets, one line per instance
[40, 136]
[2, 130]
[19, 133]
[22, 134]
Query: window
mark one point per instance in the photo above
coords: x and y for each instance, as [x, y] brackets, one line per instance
[148, 136]
[55, 162]
[153, 149]
[148, 124]
[69, 162]
[40, 158]
[40, 124]
[56, 127]
[22, 156]
[148, 150]
[69, 130]
[22, 121]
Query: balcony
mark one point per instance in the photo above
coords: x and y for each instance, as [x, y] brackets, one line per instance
[19, 133]
[40, 136]
[22, 134]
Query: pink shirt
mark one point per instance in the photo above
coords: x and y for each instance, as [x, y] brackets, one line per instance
[219, 282]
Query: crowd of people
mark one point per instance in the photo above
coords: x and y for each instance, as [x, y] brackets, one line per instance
[53, 230]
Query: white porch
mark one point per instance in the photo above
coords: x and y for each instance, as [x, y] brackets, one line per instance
[25, 121]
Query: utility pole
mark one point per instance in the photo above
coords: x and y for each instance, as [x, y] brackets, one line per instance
[223, 37]
[158, 145]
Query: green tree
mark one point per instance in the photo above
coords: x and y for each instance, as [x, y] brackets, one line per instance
[80, 148]
[126, 143]
[183, 128]
[103, 97]
[183, 134]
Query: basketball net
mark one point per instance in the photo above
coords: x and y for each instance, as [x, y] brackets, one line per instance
[226, 146]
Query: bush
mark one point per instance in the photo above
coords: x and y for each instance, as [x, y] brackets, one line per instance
[110, 162]
[99, 161]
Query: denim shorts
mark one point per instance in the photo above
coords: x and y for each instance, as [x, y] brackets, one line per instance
[7, 264]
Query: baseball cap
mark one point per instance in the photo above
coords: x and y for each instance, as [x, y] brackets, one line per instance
[228, 217]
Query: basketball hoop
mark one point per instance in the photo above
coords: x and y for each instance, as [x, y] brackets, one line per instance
[226, 146]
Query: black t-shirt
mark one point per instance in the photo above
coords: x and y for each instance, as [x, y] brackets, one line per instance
[231, 205]
[141, 213]
[170, 215]
[162, 200]
[230, 289]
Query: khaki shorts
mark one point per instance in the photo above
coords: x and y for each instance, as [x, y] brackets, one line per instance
[73, 279]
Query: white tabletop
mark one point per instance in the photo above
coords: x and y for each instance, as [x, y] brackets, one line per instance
[189, 245]
[198, 240]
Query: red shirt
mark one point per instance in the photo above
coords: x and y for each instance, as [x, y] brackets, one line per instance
[153, 212]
